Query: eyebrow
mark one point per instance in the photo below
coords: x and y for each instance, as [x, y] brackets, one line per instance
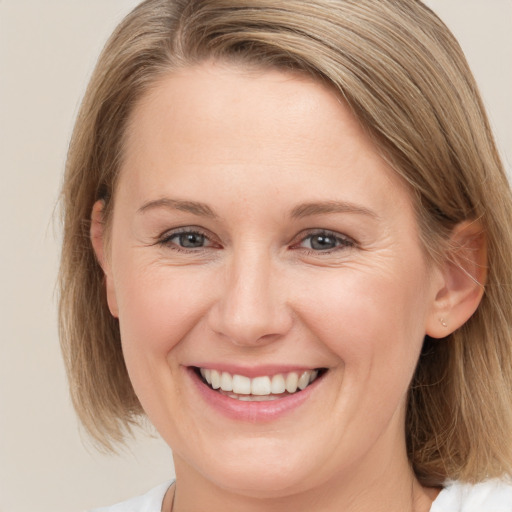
[318, 208]
[193, 207]
[300, 211]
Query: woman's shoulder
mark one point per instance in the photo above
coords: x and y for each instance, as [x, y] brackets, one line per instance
[149, 502]
[488, 496]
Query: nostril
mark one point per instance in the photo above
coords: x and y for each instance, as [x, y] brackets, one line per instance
[249, 309]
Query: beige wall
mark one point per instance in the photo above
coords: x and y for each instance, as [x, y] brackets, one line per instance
[47, 50]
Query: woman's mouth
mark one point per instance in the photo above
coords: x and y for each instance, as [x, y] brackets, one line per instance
[255, 394]
[261, 388]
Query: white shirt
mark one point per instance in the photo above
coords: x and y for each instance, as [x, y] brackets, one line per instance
[490, 496]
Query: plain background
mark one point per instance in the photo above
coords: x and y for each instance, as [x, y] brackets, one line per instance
[47, 51]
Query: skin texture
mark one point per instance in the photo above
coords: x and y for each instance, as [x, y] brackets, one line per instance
[255, 147]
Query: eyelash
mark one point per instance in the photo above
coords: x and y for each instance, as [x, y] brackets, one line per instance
[342, 241]
[166, 240]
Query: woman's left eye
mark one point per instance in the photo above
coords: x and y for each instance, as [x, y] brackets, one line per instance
[325, 241]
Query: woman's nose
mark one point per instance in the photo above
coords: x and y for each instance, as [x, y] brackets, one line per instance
[252, 304]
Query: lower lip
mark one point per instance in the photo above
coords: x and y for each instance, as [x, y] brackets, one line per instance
[253, 412]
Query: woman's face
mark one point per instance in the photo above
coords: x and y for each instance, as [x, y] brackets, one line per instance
[257, 233]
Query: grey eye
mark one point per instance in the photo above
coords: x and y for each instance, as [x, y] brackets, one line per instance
[322, 242]
[325, 241]
[190, 240]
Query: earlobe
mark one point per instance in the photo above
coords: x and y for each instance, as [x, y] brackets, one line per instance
[97, 235]
[463, 280]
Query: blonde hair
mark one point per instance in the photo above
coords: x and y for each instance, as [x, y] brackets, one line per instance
[405, 77]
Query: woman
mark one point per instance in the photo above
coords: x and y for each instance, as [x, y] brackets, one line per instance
[287, 243]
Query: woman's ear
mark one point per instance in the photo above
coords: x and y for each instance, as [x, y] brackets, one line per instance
[463, 277]
[98, 241]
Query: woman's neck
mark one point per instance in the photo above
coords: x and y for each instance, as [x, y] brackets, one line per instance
[390, 488]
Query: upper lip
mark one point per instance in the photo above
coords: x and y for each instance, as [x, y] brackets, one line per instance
[255, 371]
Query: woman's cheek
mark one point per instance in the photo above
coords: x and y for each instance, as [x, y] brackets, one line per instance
[360, 316]
[159, 307]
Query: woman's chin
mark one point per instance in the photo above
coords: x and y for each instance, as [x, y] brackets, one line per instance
[260, 472]
[262, 482]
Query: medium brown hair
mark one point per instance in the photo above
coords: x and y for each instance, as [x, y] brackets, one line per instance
[405, 78]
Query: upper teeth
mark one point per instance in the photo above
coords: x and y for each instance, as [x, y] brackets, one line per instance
[264, 385]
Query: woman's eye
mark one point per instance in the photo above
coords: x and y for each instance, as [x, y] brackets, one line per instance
[190, 240]
[325, 241]
[186, 240]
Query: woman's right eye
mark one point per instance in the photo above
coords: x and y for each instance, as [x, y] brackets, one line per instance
[187, 240]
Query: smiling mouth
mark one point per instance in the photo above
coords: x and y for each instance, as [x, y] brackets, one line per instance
[258, 389]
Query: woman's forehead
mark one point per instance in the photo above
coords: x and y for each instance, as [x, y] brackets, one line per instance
[214, 135]
[229, 117]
